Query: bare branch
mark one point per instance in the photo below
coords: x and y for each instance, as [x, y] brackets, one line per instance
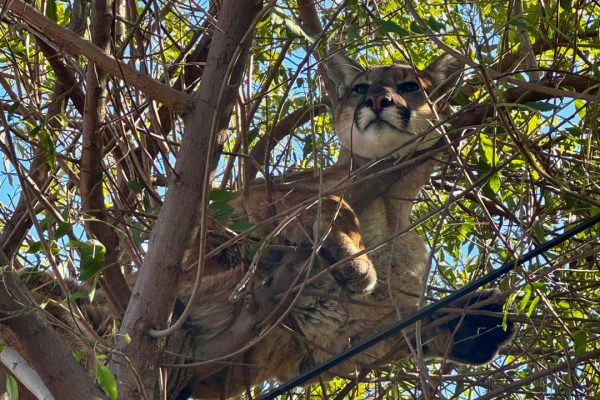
[26, 375]
[310, 18]
[534, 376]
[261, 150]
[91, 160]
[73, 44]
[41, 345]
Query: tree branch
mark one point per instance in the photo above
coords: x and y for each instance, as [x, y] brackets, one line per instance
[92, 196]
[534, 376]
[26, 375]
[156, 288]
[261, 150]
[73, 44]
[64, 75]
[476, 114]
[15, 229]
[310, 18]
[41, 345]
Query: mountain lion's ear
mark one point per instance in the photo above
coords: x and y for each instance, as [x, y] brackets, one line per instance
[343, 71]
[446, 72]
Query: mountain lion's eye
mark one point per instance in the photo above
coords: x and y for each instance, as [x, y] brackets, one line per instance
[361, 88]
[407, 87]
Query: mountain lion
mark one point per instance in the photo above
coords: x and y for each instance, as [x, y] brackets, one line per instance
[381, 111]
[384, 110]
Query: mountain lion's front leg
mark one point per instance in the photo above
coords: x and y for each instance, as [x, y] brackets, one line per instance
[331, 221]
[338, 230]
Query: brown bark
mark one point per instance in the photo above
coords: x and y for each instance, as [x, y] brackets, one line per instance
[64, 75]
[309, 16]
[73, 44]
[41, 345]
[92, 197]
[476, 114]
[539, 374]
[189, 74]
[191, 71]
[155, 291]
[16, 227]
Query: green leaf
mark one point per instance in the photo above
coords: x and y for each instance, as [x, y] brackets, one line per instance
[12, 389]
[461, 99]
[253, 133]
[54, 249]
[47, 222]
[494, 183]
[506, 309]
[308, 147]
[241, 226]
[80, 294]
[34, 247]
[35, 131]
[523, 302]
[92, 293]
[434, 24]
[292, 27]
[78, 355]
[391, 27]
[416, 28]
[519, 23]
[566, 4]
[47, 145]
[218, 204]
[64, 228]
[534, 303]
[539, 233]
[135, 186]
[92, 254]
[541, 106]
[2, 346]
[13, 109]
[577, 314]
[51, 10]
[352, 34]
[222, 211]
[218, 195]
[580, 338]
[489, 151]
[107, 381]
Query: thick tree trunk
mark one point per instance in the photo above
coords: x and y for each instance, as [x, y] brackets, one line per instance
[155, 291]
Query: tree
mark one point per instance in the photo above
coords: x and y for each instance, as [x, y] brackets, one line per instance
[120, 138]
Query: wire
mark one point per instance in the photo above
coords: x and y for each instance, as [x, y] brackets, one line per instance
[431, 308]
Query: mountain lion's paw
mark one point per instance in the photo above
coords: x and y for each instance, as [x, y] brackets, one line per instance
[357, 276]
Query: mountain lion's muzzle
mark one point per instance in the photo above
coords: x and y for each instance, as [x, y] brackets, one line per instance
[381, 108]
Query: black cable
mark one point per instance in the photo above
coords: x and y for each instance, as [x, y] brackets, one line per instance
[431, 308]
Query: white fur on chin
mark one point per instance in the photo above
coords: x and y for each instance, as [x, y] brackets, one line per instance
[380, 139]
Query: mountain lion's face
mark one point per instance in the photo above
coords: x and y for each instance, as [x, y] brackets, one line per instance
[390, 109]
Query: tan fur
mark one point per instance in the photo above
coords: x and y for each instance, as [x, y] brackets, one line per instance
[360, 297]
[327, 315]
[327, 319]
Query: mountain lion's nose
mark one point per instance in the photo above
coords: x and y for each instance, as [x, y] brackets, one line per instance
[379, 102]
